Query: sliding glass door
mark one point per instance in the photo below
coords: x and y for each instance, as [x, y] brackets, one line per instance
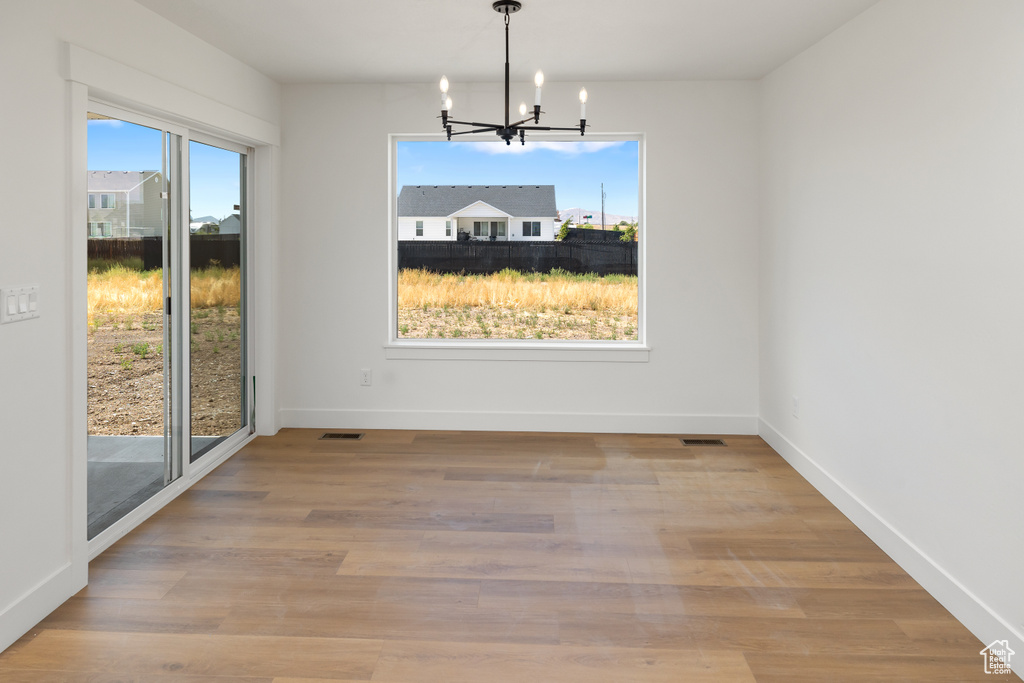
[168, 379]
[217, 270]
[130, 277]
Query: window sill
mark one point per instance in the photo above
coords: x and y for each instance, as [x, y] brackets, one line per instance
[600, 352]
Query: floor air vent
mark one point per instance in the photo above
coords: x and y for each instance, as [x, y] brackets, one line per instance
[332, 435]
[702, 442]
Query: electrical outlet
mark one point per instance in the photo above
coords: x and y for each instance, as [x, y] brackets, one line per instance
[365, 377]
[796, 407]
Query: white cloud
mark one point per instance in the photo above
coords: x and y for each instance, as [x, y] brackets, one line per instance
[566, 148]
[113, 123]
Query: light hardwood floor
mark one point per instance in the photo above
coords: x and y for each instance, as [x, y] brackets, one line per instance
[482, 557]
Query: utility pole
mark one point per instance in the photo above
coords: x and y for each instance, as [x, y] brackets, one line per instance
[602, 206]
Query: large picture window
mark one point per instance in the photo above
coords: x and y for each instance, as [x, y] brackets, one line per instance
[541, 241]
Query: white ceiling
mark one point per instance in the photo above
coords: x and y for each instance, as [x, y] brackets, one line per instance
[403, 41]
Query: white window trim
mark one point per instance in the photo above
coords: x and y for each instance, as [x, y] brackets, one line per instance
[513, 349]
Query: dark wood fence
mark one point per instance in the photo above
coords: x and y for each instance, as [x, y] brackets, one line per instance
[225, 250]
[482, 258]
[115, 249]
[205, 250]
[589, 235]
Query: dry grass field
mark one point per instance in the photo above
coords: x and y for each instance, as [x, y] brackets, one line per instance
[126, 346]
[514, 305]
[120, 291]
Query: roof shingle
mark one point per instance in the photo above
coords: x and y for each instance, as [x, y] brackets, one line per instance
[444, 200]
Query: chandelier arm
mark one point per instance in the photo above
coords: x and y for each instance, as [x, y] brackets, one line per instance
[489, 126]
[548, 128]
[489, 129]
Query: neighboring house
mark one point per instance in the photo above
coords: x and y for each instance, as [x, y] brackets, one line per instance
[478, 212]
[204, 225]
[232, 225]
[198, 228]
[125, 203]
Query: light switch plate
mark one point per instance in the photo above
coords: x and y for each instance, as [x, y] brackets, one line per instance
[19, 303]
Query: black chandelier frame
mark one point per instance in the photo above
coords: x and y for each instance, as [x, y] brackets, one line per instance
[509, 130]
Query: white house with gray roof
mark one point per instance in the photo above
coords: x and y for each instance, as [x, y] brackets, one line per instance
[477, 212]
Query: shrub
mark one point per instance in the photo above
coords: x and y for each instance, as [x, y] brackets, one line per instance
[563, 232]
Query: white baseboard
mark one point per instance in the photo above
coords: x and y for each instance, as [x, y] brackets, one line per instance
[978, 617]
[614, 423]
[19, 618]
[52, 592]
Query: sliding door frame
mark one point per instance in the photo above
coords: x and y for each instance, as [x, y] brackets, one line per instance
[90, 75]
[239, 436]
[178, 446]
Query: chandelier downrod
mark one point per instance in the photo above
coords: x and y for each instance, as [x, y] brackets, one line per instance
[509, 130]
[506, 70]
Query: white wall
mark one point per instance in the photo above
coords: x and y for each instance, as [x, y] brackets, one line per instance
[892, 289]
[547, 228]
[36, 533]
[433, 228]
[702, 263]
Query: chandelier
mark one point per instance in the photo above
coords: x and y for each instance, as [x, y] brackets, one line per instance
[508, 130]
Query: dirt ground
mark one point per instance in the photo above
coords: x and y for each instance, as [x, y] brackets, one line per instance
[498, 323]
[126, 366]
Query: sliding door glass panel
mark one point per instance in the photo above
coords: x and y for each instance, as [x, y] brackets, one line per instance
[129, 455]
[217, 227]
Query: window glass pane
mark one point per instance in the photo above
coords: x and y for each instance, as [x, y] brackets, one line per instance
[216, 275]
[595, 280]
[127, 340]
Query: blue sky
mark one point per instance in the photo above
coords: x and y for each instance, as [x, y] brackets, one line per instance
[121, 146]
[576, 169]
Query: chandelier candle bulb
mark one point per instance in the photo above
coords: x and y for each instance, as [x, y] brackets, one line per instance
[583, 103]
[522, 108]
[538, 80]
[444, 92]
[448, 103]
